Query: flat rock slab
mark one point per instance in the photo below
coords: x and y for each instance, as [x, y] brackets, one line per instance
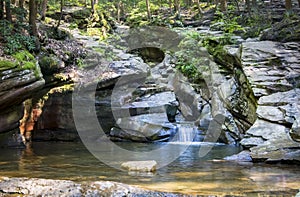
[28, 187]
[143, 166]
[271, 66]
[243, 156]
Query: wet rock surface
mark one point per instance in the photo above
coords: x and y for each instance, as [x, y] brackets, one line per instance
[16, 85]
[257, 91]
[140, 166]
[143, 128]
[41, 187]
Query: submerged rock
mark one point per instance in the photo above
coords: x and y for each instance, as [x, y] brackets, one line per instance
[12, 139]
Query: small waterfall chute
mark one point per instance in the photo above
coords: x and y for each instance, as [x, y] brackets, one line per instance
[185, 134]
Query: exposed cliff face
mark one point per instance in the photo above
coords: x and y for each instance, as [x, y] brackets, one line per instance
[56, 119]
[273, 71]
[17, 84]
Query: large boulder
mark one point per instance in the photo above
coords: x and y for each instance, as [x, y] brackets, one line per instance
[143, 128]
[56, 120]
[18, 81]
[268, 139]
[285, 31]
[272, 69]
[48, 187]
[270, 66]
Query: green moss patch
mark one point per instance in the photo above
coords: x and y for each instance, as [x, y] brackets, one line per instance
[6, 64]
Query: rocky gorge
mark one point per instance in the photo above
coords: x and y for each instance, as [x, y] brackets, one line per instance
[248, 95]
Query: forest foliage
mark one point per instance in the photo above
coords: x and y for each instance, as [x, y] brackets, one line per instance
[19, 19]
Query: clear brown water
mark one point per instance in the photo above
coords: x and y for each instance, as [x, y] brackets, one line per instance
[188, 174]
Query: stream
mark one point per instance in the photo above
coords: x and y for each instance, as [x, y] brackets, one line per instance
[188, 174]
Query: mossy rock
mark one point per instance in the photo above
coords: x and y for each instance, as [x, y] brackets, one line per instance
[50, 64]
[6, 64]
[82, 13]
[284, 31]
[22, 56]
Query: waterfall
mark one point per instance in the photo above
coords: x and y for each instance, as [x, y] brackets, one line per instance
[185, 134]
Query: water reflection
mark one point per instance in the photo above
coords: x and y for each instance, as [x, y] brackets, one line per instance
[188, 174]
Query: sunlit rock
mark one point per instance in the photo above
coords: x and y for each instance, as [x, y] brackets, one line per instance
[28, 187]
[143, 128]
[295, 130]
[143, 166]
[251, 141]
[243, 156]
[16, 85]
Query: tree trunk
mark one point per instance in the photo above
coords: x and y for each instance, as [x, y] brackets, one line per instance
[1, 9]
[299, 3]
[93, 6]
[32, 17]
[223, 5]
[44, 9]
[288, 5]
[119, 11]
[21, 4]
[170, 6]
[61, 13]
[248, 6]
[7, 10]
[177, 7]
[148, 10]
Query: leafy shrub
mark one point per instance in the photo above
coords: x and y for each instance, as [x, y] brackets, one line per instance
[227, 22]
[191, 57]
[23, 56]
[14, 37]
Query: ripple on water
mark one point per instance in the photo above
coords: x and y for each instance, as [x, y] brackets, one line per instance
[189, 174]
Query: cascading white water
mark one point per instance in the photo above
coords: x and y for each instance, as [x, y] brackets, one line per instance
[185, 133]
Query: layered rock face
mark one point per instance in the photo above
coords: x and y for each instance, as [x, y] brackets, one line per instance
[257, 95]
[17, 84]
[273, 71]
[56, 120]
